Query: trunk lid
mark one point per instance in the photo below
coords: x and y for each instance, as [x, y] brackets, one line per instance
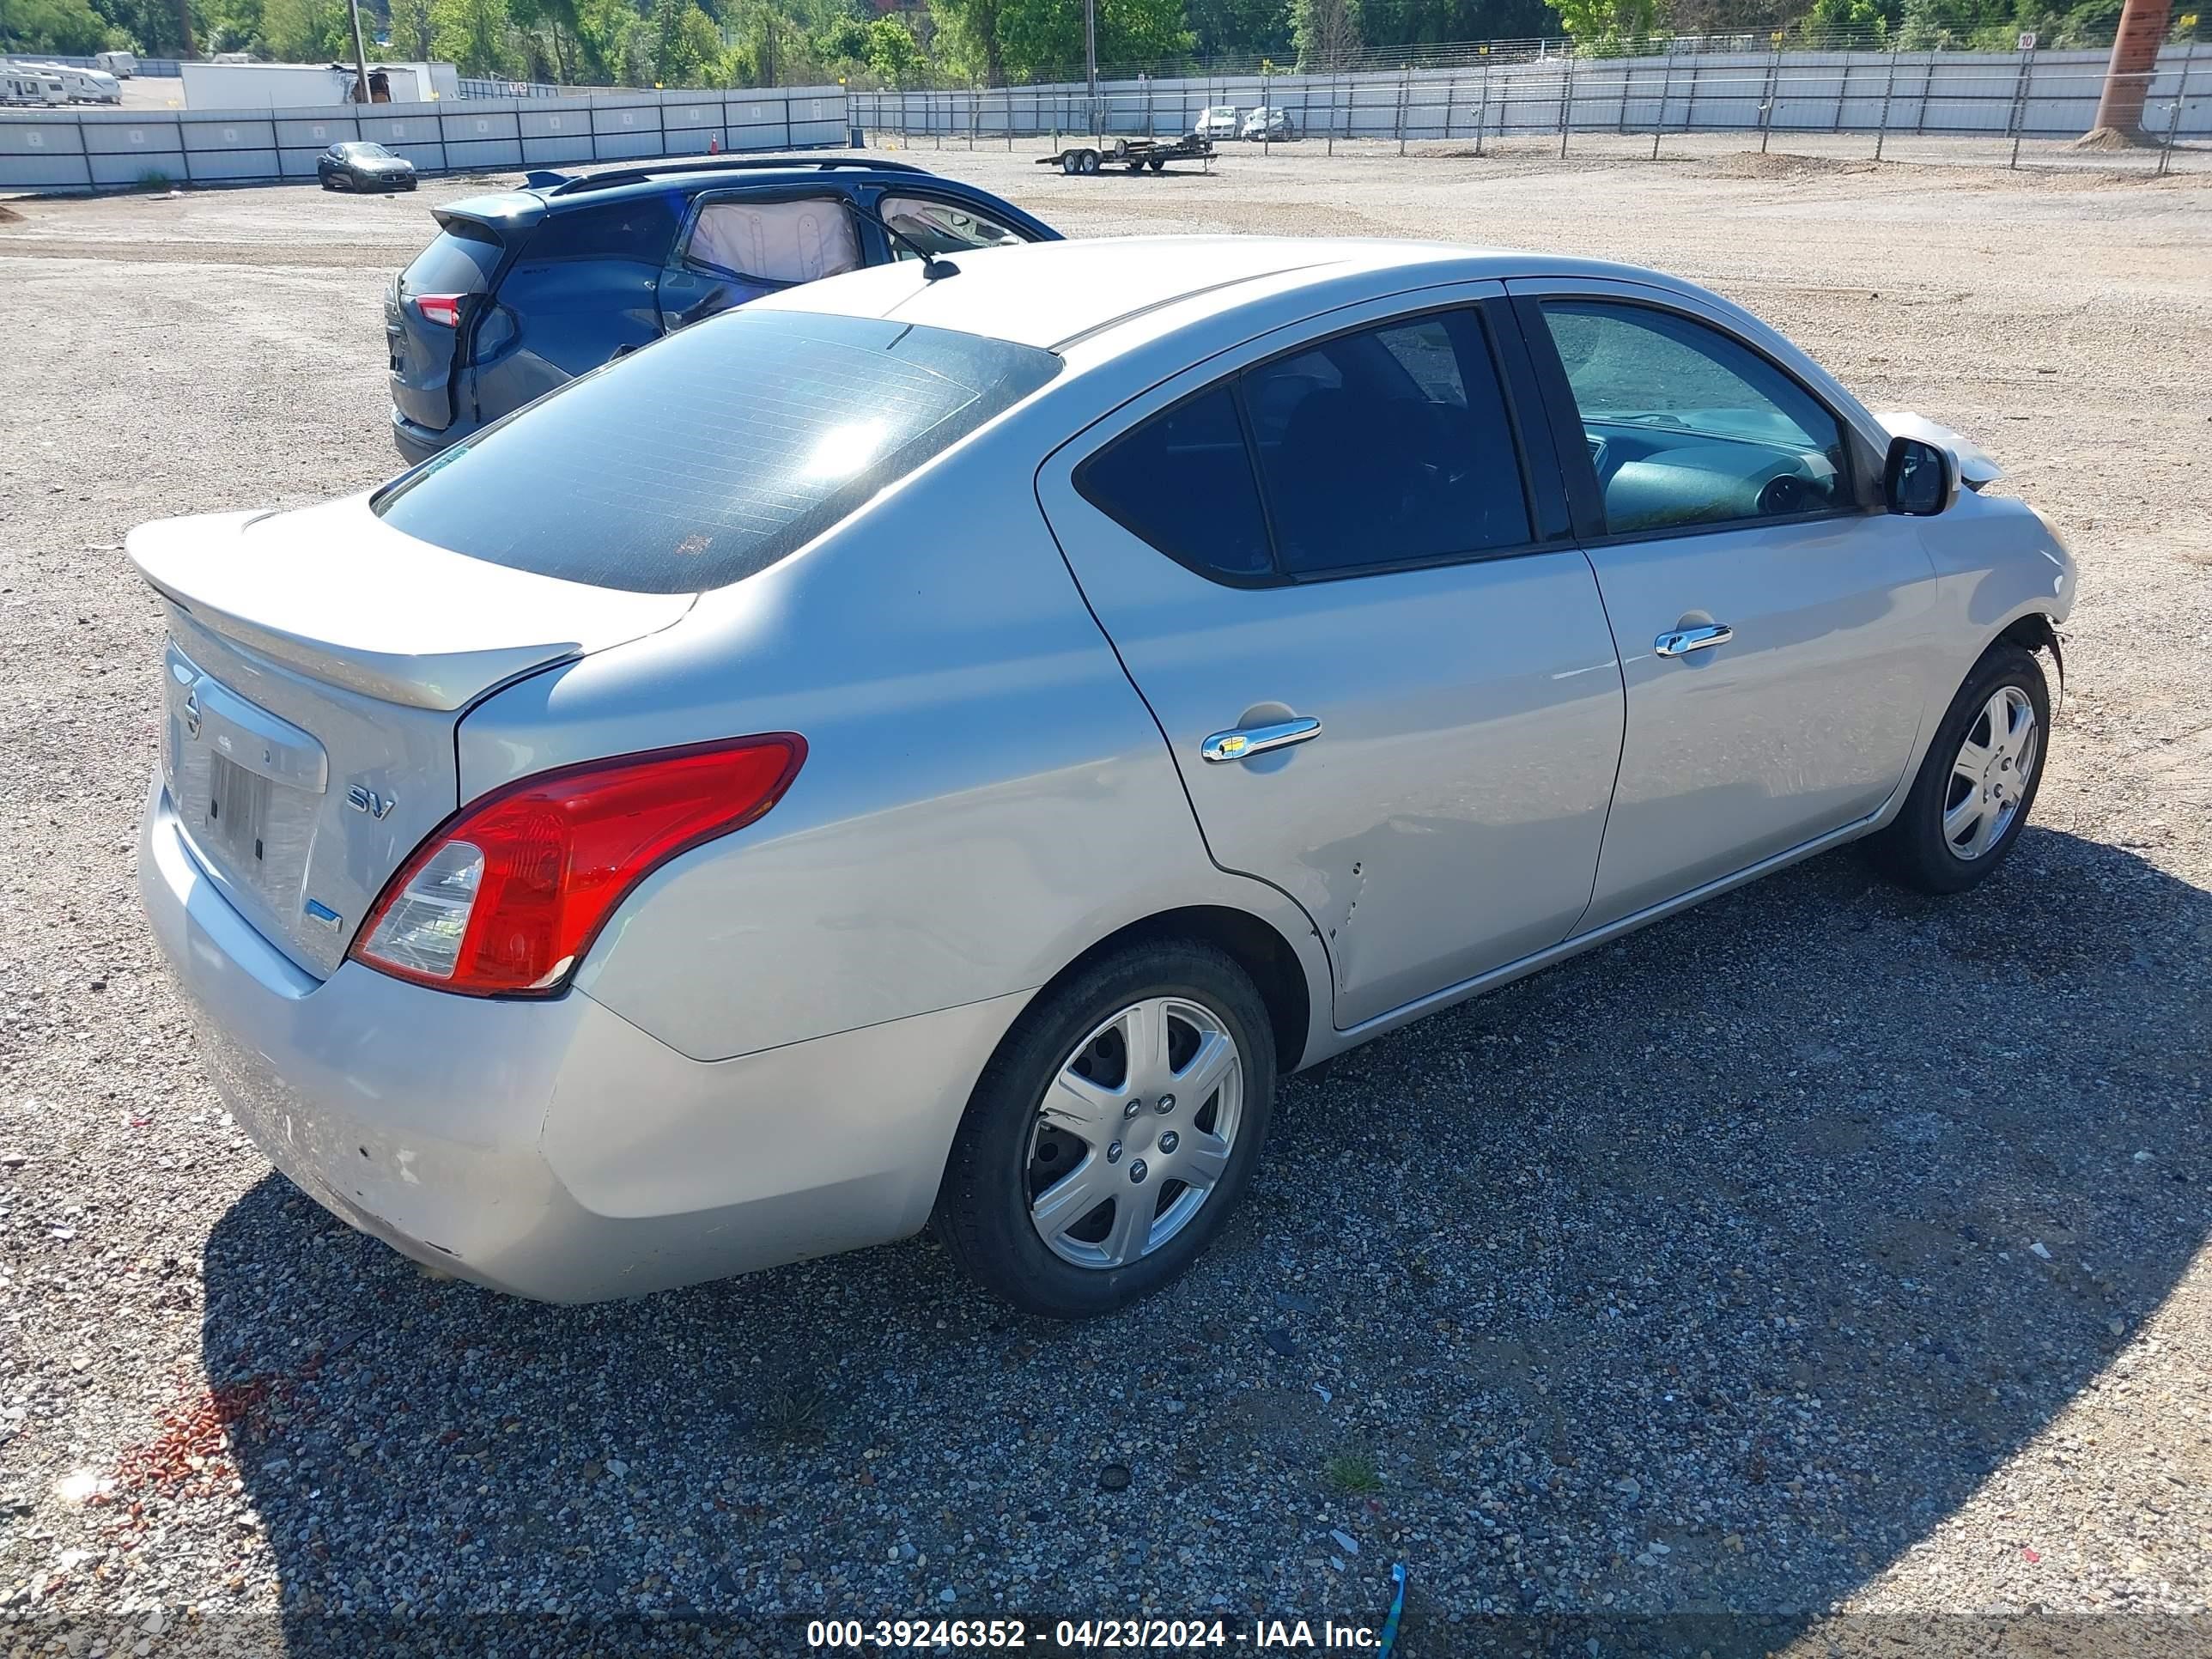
[428, 344]
[317, 666]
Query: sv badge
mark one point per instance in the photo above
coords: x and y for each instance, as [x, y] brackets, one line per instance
[367, 800]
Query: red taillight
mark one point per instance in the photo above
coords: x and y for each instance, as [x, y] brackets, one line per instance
[508, 895]
[444, 309]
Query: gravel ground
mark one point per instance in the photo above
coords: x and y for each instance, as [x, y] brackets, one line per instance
[1830, 1254]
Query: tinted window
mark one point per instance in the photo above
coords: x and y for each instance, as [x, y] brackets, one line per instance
[1387, 445]
[1686, 427]
[461, 261]
[1182, 481]
[714, 454]
[640, 227]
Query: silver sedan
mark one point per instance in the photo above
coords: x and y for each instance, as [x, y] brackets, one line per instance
[946, 740]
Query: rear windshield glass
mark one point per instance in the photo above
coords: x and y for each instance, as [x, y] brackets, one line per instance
[461, 261]
[713, 453]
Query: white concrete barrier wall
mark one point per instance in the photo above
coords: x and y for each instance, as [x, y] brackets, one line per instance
[77, 149]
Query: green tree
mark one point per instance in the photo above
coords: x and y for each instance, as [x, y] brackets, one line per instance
[687, 47]
[1328, 33]
[1859, 20]
[1606, 27]
[1042, 39]
[1240, 28]
[1386, 23]
[412, 32]
[967, 38]
[304, 31]
[479, 35]
[894, 54]
[69, 26]
[610, 39]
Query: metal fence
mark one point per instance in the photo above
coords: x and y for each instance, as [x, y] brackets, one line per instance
[82, 149]
[2005, 99]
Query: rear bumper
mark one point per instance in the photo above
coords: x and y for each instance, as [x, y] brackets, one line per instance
[550, 1148]
[417, 443]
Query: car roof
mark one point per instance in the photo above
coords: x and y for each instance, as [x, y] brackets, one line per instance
[1054, 295]
[547, 193]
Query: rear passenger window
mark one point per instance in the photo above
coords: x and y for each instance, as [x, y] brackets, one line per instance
[1388, 447]
[1183, 482]
[642, 228]
[776, 241]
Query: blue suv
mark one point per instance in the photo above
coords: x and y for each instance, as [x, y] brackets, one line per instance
[528, 289]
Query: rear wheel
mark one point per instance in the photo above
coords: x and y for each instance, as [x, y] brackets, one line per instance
[1090, 161]
[1157, 164]
[1071, 163]
[1971, 797]
[1112, 1133]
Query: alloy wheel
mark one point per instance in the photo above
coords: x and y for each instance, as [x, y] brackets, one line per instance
[1991, 775]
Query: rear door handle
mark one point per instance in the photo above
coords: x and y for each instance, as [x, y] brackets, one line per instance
[1245, 741]
[1682, 641]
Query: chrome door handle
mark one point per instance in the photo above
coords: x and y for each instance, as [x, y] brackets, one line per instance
[1245, 741]
[1680, 641]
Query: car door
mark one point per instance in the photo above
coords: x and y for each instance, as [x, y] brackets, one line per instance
[1336, 564]
[737, 245]
[1774, 621]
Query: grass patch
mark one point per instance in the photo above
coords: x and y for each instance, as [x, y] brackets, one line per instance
[1351, 1471]
[797, 1408]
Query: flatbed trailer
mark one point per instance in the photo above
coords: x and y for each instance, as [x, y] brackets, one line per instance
[1134, 154]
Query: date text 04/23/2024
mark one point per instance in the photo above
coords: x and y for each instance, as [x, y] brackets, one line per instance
[1097, 1635]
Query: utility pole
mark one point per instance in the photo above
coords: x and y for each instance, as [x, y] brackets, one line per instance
[360, 57]
[2127, 76]
[1090, 59]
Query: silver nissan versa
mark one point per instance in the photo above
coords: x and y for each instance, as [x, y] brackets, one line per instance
[945, 740]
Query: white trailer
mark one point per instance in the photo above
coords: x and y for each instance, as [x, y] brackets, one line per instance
[288, 85]
[20, 86]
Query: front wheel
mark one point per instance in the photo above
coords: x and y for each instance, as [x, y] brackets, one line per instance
[1971, 797]
[1112, 1133]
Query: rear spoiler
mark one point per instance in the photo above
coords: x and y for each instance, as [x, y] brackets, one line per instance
[502, 215]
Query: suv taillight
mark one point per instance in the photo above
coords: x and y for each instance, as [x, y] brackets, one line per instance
[508, 895]
[444, 309]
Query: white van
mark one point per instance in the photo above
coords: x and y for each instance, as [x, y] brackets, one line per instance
[121, 65]
[20, 86]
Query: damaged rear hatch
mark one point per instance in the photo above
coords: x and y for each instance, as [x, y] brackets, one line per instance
[318, 663]
[432, 309]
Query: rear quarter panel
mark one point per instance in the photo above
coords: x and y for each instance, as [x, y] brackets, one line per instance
[985, 795]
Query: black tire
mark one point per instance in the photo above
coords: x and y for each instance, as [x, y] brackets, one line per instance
[983, 1207]
[1071, 163]
[1155, 164]
[1913, 849]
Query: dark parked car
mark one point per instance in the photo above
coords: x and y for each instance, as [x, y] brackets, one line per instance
[363, 166]
[525, 290]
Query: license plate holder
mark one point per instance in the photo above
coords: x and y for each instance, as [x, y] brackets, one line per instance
[238, 812]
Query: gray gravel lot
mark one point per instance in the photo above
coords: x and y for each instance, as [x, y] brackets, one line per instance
[1829, 1254]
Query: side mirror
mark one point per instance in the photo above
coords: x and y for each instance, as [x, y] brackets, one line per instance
[1922, 479]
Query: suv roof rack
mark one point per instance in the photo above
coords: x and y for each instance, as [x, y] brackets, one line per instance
[724, 164]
